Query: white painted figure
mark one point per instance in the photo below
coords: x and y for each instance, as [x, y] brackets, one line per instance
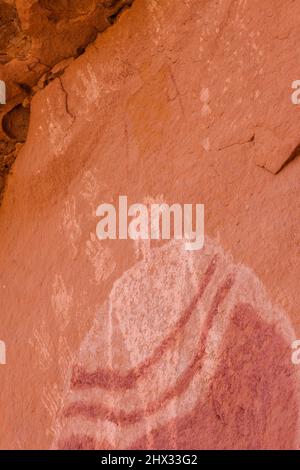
[2, 92]
[2, 353]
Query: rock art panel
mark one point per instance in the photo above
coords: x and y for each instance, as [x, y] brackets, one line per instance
[133, 344]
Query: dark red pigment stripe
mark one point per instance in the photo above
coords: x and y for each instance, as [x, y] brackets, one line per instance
[77, 442]
[111, 380]
[96, 411]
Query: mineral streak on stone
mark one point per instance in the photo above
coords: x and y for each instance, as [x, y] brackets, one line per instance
[141, 344]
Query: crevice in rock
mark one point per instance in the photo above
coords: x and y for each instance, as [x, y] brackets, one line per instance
[66, 100]
[248, 141]
[295, 153]
[119, 7]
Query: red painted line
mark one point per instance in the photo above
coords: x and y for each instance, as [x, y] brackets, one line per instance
[111, 380]
[77, 442]
[95, 411]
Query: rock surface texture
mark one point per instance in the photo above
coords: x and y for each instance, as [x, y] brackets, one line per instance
[139, 344]
[38, 40]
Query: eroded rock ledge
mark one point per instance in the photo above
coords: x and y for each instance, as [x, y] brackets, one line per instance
[38, 40]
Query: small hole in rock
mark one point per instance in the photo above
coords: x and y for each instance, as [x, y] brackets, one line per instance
[80, 51]
[16, 122]
[25, 88]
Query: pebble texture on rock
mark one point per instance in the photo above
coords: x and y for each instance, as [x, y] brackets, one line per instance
[139, 344]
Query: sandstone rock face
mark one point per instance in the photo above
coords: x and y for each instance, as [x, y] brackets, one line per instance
[142, 344]
[38, 40]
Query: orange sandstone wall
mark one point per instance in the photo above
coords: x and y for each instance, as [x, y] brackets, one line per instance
[142, 344]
